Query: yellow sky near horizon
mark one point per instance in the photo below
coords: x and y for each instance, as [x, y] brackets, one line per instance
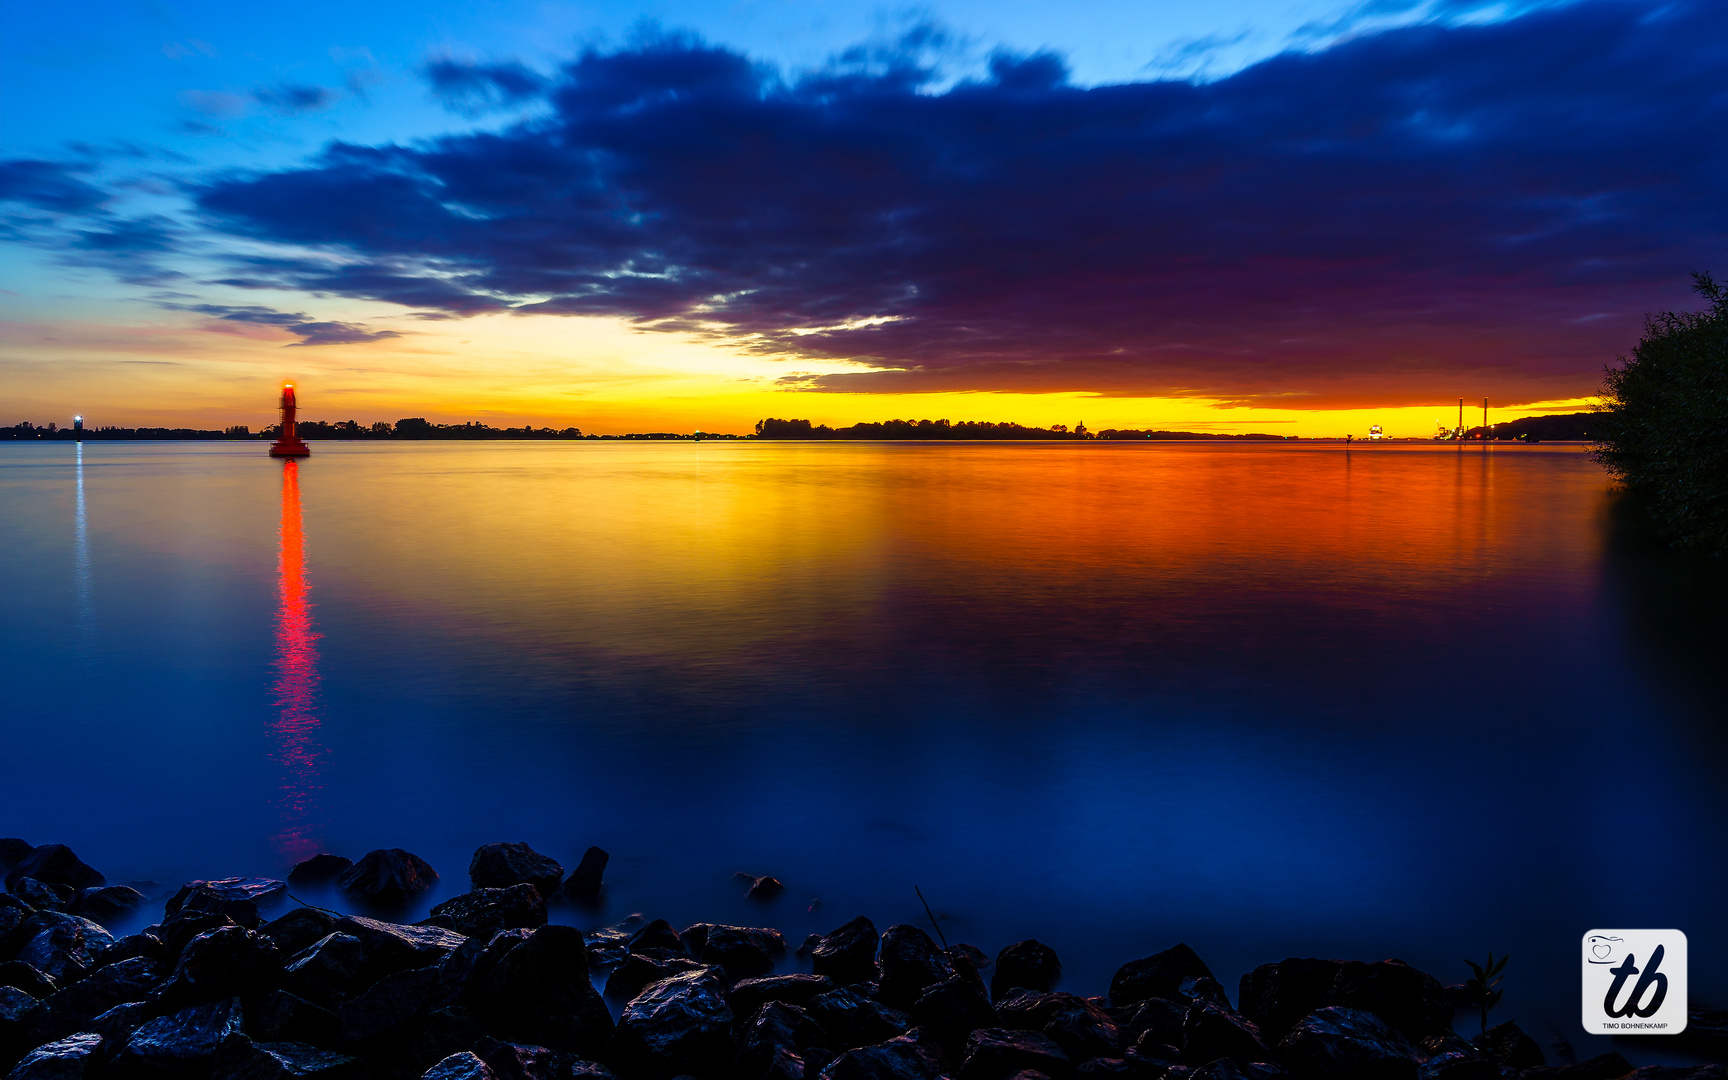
[598, 374]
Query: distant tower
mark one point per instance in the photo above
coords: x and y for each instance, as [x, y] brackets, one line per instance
[78, 428]
[289, 444]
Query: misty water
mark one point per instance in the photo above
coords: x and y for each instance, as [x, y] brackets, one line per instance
[1404, 700]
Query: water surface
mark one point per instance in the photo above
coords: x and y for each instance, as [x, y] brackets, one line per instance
[1404, 700]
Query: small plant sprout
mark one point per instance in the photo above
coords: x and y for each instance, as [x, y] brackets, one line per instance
[1483, 989]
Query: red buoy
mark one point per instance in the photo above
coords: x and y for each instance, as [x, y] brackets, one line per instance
[289, 444]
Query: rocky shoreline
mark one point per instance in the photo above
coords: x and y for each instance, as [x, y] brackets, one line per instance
[240, 981]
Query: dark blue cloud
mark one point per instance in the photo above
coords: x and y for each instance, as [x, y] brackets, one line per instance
[310, 331]
[1404, 216]
[473, 88]
[48, 185]
[294, 97]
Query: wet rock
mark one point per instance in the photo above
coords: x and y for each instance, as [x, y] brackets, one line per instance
[1209, 1032]
[1205, 989]
[657, 939]
[762, 888]
[241, 899]
[117, 1024]
[637, 973]
[1025, 965]
[391, 947]
[13, 851]
[751, 994]
[1608, 1066]
[109, 904]
[1276, 996]
[607, 947]
[585, 886]
[329, 970]
[13, 913]
[501, 866]
[1410, 1001]
[319, 871]
[1347, 1044]
[387, 1006]
[387, 879]
[913, 1056]
[847, 954]
[429, 1040]
[75, 1007]
[910, 964]
[998, 1053]
[26, 978]
[853, 1019]
[14, 1003]
[284, 1061]
[1157, 1019]
[1454, 1065]
[514, 1061]
[1228, 1069]
[1158, 975]
[175, 931]
[222, 963]
[44, 897]
[775, 1027]
[299, 929]
[57, 865]
[71, 1058]
[488, 910]
[951, 1011]
[1105, 1068]
[1083, 1029]
[184, 1043]
[539, 993]
[742, 951]
[465, 969]
[64, 947]
[463, 1066]
[132, 946]
[280, 1016]
[678, 1025]
[1679, 1072]
[784, 1064]
[1507, 1044]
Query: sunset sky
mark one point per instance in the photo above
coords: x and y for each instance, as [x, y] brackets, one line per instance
[1296, 216]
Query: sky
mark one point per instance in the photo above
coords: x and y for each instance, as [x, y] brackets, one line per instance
[1246, 215]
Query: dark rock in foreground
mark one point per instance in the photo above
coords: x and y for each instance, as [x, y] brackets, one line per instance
[55, 864]
[240, 899]
[1025, 965]
[585, 884]
[387, 879]
[487, 911]
[1159, 975]
[318, 871]
[847, 954]
[500, 866]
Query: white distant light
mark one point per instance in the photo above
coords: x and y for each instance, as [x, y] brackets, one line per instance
[77, 418]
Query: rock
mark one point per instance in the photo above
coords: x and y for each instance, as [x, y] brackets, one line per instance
[501, 866]
[280, 1016]
[1228, 1069]
[318, 871]
[13, 851]
[1209, 1033]
[13, 913]
[1205, 989]
[951, 1011]
[221, 963]
[638, 973]
[749, 995]
[852, 1019]
[299, 929]
[463, 970]
[743, 951]
[175, 931]
[1106, 1069]
[910, 963]
[763, 888]
[1453, 1065]
[13, 1004]
[387, 1006]
[44, 897]
[74, 1008]
[65, 947]
[185, 1042]
[513, 1061]
[131, 947]
[391, 947]
[57, 865]
[1157, 1020]
[431, 1039]
[847, 954]
[1507, 1044]
[1026, 965]
[283, 1061]
[488, 910]
[1679, 1072]
[539, 993]
[912, 1056]
[329, 970]
[1412, 1002]
[109, 904]
[241, 899]
[71, 1058]
[1609, 1066]
[584, 886]
[117, 1024]
[657, 939]
[1158, 975]
[998, 1053]
[1276, 996]
[464, 1066]
[26, 978]
[607, 947]
[1347, 1044]
[1083, 1029]
[678, 1025]
[776, 1027]
[387, 879]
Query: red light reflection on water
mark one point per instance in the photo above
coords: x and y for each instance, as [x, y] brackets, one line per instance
[295, 728]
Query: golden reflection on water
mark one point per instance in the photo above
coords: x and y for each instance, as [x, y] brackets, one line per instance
[710, 549]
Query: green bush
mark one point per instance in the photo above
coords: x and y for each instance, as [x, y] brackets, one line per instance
[1663, 429]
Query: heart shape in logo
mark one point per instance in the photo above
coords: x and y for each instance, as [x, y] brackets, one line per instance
[1602, 951]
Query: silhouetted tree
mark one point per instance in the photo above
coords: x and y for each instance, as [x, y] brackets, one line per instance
[1663, 429]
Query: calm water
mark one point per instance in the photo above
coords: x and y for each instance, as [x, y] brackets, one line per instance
[1270, 700]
